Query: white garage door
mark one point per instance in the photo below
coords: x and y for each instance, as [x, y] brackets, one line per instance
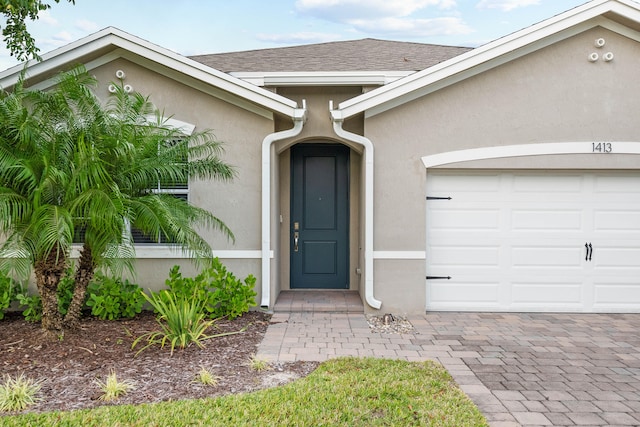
[526, 241]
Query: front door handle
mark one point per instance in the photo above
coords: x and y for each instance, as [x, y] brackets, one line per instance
[590, 251]
[295, 241]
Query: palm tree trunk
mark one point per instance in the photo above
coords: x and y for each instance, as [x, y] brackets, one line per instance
[84, 274]
[48, 273]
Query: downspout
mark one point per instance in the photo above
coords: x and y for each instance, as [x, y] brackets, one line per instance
[299, 117]
[338, 120]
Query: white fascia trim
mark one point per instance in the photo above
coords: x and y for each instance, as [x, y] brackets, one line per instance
[337, 120]
[321, 78]
[405, 255]
[491, 55]
[527, 150]
[299, 119]
[172, 252]
[112, 37]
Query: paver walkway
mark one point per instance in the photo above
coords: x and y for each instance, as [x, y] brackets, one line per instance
[519, 369]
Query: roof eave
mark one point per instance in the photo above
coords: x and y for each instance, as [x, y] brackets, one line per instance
[452, 70]
[112, 37]
[321, 78]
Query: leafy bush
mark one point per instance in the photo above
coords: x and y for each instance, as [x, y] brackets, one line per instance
[32, 306]
[8, 292]
[111, 298]
[181, 319]
[65, 290]
[219, 291]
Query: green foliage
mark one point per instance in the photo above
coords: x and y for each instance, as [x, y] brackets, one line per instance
[8, 291]
[32, 304]
[258, 364]
[342, 392]
[18, 394]
[65, 290]
[219, 291]
[206, 377]
[17, 38]
[182, 322]
[112, 298]
[77, 165]
[112, 388]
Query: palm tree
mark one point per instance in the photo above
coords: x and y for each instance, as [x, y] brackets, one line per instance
[115, 155]
[34, 210]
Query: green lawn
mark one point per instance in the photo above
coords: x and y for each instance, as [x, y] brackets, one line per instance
[341, 392]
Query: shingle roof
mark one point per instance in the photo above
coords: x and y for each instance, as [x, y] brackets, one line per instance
[353, 55]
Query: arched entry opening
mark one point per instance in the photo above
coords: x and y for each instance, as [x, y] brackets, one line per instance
[331, 230]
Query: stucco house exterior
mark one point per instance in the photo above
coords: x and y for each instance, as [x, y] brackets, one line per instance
[500, 178]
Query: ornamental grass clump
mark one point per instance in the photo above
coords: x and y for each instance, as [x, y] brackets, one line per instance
[18, 394]
[182, 322]
[206, 377]
[258, 364]
[112, 388]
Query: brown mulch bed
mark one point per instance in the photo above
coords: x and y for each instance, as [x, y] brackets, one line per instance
[69, 365]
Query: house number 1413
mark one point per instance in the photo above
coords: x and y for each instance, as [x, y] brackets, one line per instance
[601, 147]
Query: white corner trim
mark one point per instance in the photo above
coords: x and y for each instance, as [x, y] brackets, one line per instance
[528, 150]
[299, 118]
[173, 252]
[406, 255]
[337, 120]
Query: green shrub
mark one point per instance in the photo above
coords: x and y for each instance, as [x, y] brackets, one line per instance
[32, 305]
[219, 291]
[182, 322]
[112, 298]
[8, 291]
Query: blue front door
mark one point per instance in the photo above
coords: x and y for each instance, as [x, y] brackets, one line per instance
[319, 216]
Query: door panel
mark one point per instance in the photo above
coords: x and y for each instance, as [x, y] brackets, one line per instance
[319, 216]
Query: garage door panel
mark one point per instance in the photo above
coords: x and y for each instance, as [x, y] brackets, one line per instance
[546, 184]
[465, 219]
[607, 295]
[447, 292]
[515, 241]
[461, 256]
[536, 293]
[547, 257]
[626, 221]
[539, 219]
[610, 188]
[625, 259]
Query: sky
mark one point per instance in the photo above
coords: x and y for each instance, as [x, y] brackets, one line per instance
[192, 27]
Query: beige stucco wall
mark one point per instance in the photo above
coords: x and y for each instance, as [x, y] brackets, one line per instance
[552, 95]
[236, 203]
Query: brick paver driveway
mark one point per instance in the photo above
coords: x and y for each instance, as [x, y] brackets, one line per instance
[520, 369]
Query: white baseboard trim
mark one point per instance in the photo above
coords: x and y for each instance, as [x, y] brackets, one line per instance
[399, 255]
